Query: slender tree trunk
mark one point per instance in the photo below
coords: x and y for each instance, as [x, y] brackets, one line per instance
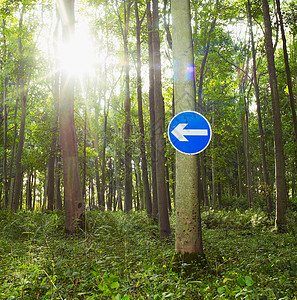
[159, 129]
[288, 71]
[96, 147]
[127, 105]
[5, 114]
[84, 189]
[5, 144]
[23, 96]
[29, 190]
[280, 179]
[74, 206]
[34, 190]
[267, 187]
[201, 163]
[103, 165]
[147, 192]
[59, 204]
[166, 24]
[10, 181]
[53, 150]
[246, 147]
[239, 172]
[152, 111]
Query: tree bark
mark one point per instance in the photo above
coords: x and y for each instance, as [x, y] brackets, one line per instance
[159, 129]
[127, 106]
[267, 188]
[146, 187]
[74, 206]
[188, 219]
[280, 180]
[53, 150]
[152, 111]
[23, 97]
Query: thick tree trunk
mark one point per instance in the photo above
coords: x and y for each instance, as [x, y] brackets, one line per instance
[188, 220]
[159, 129]
[74, 206]
[280, 180]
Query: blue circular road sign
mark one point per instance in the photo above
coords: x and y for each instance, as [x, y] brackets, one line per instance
[189, 132]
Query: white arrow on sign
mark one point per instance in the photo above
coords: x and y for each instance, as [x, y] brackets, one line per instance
[179, 132]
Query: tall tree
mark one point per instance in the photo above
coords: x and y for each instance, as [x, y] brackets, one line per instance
[280, 180]
[188, 220]
[53, 151]
[159, 128]
[152, 110]
[74, 206]
[127, 106]
[259, 116]
[147, 192]
[23, 97]
[5, 114]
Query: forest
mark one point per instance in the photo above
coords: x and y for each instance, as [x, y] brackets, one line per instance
[95, 200]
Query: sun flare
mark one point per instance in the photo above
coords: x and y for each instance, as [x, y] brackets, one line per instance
[77, 57]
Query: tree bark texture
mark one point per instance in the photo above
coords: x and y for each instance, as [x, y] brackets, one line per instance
[280, 180]
[159, 129]
[267, 187]
[74, 206]
[23, 97]
[146, 187]
[152, 111]
[188, 220]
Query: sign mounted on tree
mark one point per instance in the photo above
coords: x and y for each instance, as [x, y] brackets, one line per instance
[189, 132]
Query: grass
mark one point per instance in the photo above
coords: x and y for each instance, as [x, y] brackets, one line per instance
[121, 257]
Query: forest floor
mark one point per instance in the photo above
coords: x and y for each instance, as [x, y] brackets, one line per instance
[121, 257]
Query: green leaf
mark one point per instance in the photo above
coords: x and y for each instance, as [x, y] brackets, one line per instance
[249, 281]
[115, 285]
[221, 290]
[241, 281]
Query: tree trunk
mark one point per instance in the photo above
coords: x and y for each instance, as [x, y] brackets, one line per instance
[188, 219]
[127, 105]
[23, 97]
[84, 193]
[146, 187]
[288, 71]
[53, 150]
[5, 114]
[201, 164]
[58, 204]
[74, 206]
[103, 165]
[267, 188]
[280, 180]
[159, 129]
[152, 111]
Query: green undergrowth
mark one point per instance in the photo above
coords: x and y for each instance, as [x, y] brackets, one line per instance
[120, 256]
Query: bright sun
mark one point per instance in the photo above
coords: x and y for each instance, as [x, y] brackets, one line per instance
[77, 57]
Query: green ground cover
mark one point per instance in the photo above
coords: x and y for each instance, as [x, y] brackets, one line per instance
[121, 257]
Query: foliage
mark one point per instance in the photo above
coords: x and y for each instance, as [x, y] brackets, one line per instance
[121, 257]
